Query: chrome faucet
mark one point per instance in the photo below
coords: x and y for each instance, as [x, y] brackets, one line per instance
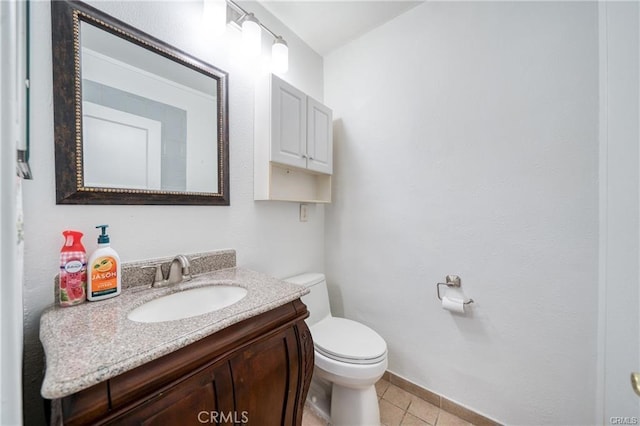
[179, 271]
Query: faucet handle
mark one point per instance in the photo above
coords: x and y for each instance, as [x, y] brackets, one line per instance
[158, 279]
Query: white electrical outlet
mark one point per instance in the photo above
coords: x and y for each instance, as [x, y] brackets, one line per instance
[304, 212]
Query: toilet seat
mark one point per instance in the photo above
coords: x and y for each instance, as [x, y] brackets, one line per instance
[348, 341]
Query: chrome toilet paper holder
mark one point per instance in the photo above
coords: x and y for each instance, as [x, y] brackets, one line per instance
[451, 281]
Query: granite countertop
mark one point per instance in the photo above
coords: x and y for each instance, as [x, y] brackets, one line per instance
[92, 342]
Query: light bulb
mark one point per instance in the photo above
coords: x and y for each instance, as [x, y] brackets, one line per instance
[279, 56]
[214, 16]
[251, 35]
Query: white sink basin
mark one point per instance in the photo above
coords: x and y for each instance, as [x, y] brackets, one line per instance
[188, 303]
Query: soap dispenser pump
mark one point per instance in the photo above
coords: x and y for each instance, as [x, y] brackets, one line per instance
[104, 270]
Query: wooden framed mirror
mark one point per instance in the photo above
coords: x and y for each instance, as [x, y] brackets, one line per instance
[136, 121]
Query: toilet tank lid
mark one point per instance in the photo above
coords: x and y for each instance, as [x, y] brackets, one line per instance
[309, 279]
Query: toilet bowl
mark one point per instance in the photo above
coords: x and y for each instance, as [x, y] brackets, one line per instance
[349, 358]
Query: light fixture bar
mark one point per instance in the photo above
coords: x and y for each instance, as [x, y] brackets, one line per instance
[244, 13]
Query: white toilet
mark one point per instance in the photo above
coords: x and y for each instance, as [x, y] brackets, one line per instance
[349, 359]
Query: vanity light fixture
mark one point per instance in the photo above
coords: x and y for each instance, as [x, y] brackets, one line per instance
[251, 36]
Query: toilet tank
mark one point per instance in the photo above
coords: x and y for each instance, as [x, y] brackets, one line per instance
[317, 300]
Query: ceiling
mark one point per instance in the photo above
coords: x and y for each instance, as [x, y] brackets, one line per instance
[329, 24]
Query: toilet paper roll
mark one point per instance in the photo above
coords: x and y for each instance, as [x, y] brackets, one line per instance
[453, 305]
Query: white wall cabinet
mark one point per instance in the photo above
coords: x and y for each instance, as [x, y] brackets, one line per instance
[293, 144]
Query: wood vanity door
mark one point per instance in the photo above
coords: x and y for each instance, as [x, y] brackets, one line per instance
[267, 380]
[203, 398]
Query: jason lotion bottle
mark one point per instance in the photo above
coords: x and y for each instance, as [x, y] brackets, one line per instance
[104, 270]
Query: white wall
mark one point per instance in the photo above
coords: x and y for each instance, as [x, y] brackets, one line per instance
[267, 235]
[466, 142]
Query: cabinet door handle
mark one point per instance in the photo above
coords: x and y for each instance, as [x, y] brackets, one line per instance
[635, 382]
[304, 156]
[310, 158]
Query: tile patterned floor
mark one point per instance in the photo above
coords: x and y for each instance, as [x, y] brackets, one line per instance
[400, 408]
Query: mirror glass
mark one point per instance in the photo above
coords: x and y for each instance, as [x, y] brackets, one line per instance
[150, 121]
[137, 110]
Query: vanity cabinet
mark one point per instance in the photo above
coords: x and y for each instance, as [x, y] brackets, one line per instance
[293, 144]
[256, 371]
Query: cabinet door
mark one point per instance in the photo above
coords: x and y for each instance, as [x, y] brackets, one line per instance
[204, 398]
[267, 381]
[319, 137]
[288, 124]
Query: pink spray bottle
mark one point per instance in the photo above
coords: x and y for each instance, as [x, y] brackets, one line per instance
[73, 270]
